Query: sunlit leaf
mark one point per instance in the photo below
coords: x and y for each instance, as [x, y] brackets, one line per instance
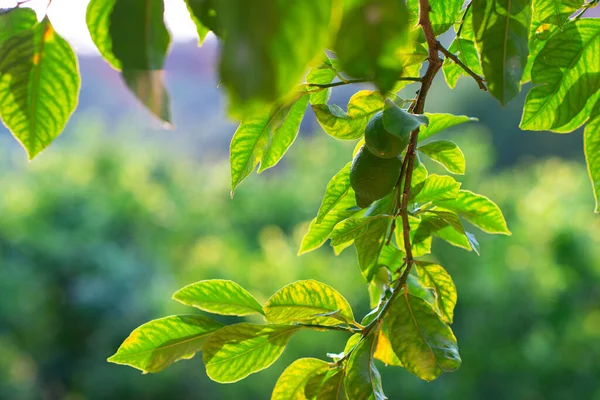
[320, 75]
[424, 344]
[157, 344]
[591, 142]
[236, 351]
[219, 296]
[555, 12]
[362, 380]
[369, 246]
[565, 75]
[337, 188]
[501, 36]
[39, 84]
[310, 302]
[447, 154]
[440, 122]
[353, 228]
[465, 51]
[436, 277]
[444, 13]
[15, 21]
[332, 386]
[291, 385]
[198, 10]
[349, 125]
[399, 122]
[384, 351]
[478, 210]
[436, 187]
[420, 236]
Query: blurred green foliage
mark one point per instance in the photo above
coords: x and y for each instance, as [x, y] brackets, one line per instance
[96, 236]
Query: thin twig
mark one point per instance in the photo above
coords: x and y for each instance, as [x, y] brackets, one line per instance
[468, 70]
[350, 81]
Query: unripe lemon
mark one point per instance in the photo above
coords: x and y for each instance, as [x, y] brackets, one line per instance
[382, 143]
[372, 178]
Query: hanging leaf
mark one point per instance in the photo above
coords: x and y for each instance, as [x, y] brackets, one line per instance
[369, 246]
[501, 36]
[435, 276]
[292, 384]
[565, 74]
[39, 83]
[436, 187]
[337, 188]
[441, 122]
[424, 344]
[591, 141]
[399, 122]
[362, 380]
[384, 351]
[322, 75]
[353, 228]
[157, 344]
[219, 296]
[236, 351]
[309, 302]
[447, 154]
[199, 10]
[467, 53]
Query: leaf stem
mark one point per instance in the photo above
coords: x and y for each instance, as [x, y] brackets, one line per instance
[332, 328]
[457, 60]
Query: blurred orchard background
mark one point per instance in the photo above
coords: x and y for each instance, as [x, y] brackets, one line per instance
[99, 231]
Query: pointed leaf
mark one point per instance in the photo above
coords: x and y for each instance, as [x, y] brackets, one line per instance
[321, 75]
[591, 141]
[362, 380]
[501, 36]
[424, 344]
[308, 302]
[369, 246]
[565, 74]
[353, 228]
[440, 122]
[292, 384]
[236, 351]
[159, 343]
[436, 277]
[39, 85]
[447, 154]
[219, 296]
[198, 9]
[436, 187]
[337, 188]
[351, 125]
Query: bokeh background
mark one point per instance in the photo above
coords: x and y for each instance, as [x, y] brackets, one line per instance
[100, 230]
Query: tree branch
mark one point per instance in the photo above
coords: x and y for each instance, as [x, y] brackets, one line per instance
[350, 81]
[457, 60]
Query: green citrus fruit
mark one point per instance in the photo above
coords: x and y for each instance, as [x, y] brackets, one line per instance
[382, 143]
[371, 177]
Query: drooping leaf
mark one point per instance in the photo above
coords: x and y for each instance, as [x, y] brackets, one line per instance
[478, 210]
[362, 380]
[15, 21]
[555, 12]
[332, 386]
[349, 125]
[236, 351]
[337, 188]
[591, 143]
[308, 301]
[319, 232]
[440, 122]
[436, 277]
[198, 10]
[264, 137]
[436, 187]
[467, 53]
[501, 36]
[384, 351]
[447, 154]
[132, 37]
[39, 84]
[353, 228]
[371, 38]
[159, 343]
[565, 74]
[446, 225]
[399, 122]
[424, 344]
[269, 46]
[369, 246]
[292, 384]
[219, 296]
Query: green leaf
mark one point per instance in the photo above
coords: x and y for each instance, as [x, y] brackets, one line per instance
[369, 246]
[444, 13]
[198, 9]
[219, 296]
[39, 85]
[308, 301]
[337, 188]
[159, 343]
[591, 145]
[447, 154]
[420, 236]
[556, 12]
[424, 344]
[132, 37]
[565, 74]
[321, 75]
[14, 21]
[447, 226]
[318, 232]
[478, 210]
[264, 137]
[371, 38]
[436, 277]
[292, 384]
[236, 351]
[384, 351]
[440, 122]
[501, 36]
[399, 122]
[349, 125]
[269, 46]
[436, 187]
[465, 51]
[391, 256]
[332, 386]
[353, 228]
[362, 380]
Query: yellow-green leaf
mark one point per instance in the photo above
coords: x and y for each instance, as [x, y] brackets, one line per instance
[353, 228]
[362, 380]
[384, 351]
[447, 154]
[309, 302]
[337, 188]
[440, 122]
[424, 344]
[465, 51]
[219, 296]
[15, 21]
[591, 145]
[435, 276]
[556, 12]
[436, 187]
[39, 85]
[159, 343]
[236, 351]
[292, 384]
